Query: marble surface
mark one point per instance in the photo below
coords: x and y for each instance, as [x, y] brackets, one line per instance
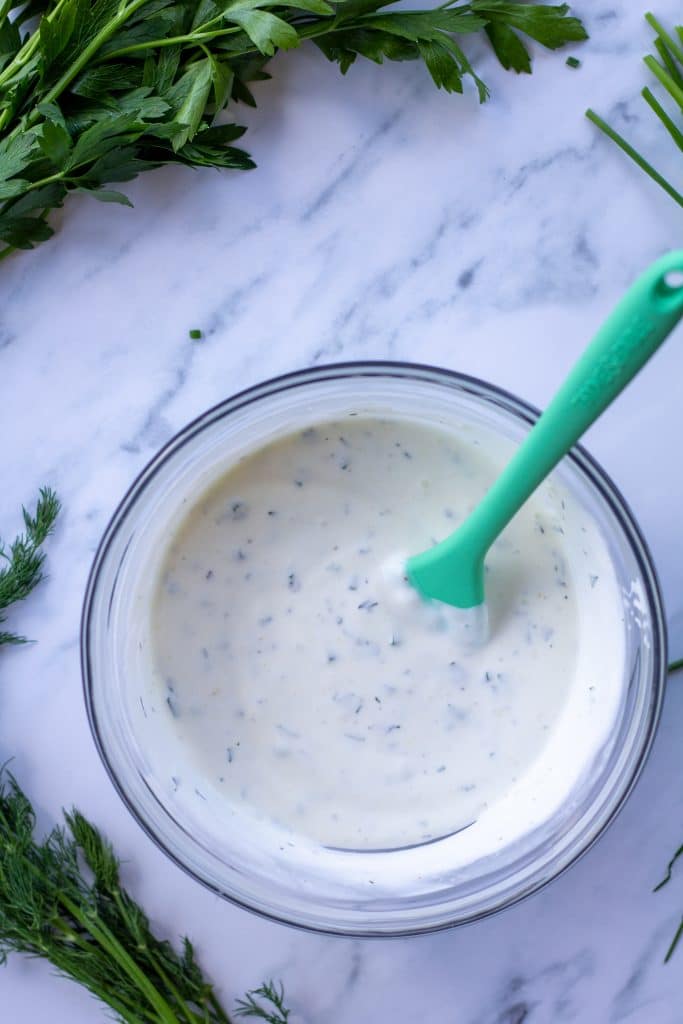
[386, 220]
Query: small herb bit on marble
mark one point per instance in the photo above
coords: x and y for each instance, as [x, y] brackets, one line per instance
[196, 334]
[573, 62]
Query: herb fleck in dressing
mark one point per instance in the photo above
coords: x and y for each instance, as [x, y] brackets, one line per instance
[301, 690]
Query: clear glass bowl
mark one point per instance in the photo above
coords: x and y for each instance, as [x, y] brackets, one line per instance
[323, 889]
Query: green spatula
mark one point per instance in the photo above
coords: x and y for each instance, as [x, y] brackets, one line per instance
[453, 570]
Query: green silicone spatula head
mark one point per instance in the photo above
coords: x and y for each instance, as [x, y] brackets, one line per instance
[453, 570]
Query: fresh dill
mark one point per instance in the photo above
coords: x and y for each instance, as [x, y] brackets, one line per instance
[93, 92]
[265, 1003]
[63, 900]
[667, 68]
[23, 560]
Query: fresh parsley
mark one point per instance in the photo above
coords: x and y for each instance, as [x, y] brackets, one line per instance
[93, 92]
[667, 67]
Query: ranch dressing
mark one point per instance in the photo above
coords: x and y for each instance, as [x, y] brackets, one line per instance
[300, 690]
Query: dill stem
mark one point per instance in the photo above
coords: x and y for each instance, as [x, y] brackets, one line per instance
[188, 1014]
[218, 1009]
[104, 937]
[128, 1013]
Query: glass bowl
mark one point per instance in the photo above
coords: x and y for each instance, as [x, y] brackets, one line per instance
[348, 892]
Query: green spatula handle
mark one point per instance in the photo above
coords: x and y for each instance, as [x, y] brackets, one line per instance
[631, 334]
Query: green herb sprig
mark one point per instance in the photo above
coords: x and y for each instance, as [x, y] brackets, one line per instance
[265, 1003]
[23, 560]
[93, 92]
[63, 900]
[667, 67]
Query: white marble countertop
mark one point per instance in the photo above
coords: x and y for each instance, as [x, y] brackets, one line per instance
[386, 220]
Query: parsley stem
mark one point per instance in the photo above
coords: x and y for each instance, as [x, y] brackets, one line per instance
[86, 55]
[30, 46]
[197, 37]
[675, 665]
[21, 59]
[327, 26]
[57, 176]
[635, 156]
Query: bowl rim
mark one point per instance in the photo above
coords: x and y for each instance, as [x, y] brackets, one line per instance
[524, 411]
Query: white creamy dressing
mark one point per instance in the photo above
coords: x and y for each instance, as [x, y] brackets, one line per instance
[300, 691]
